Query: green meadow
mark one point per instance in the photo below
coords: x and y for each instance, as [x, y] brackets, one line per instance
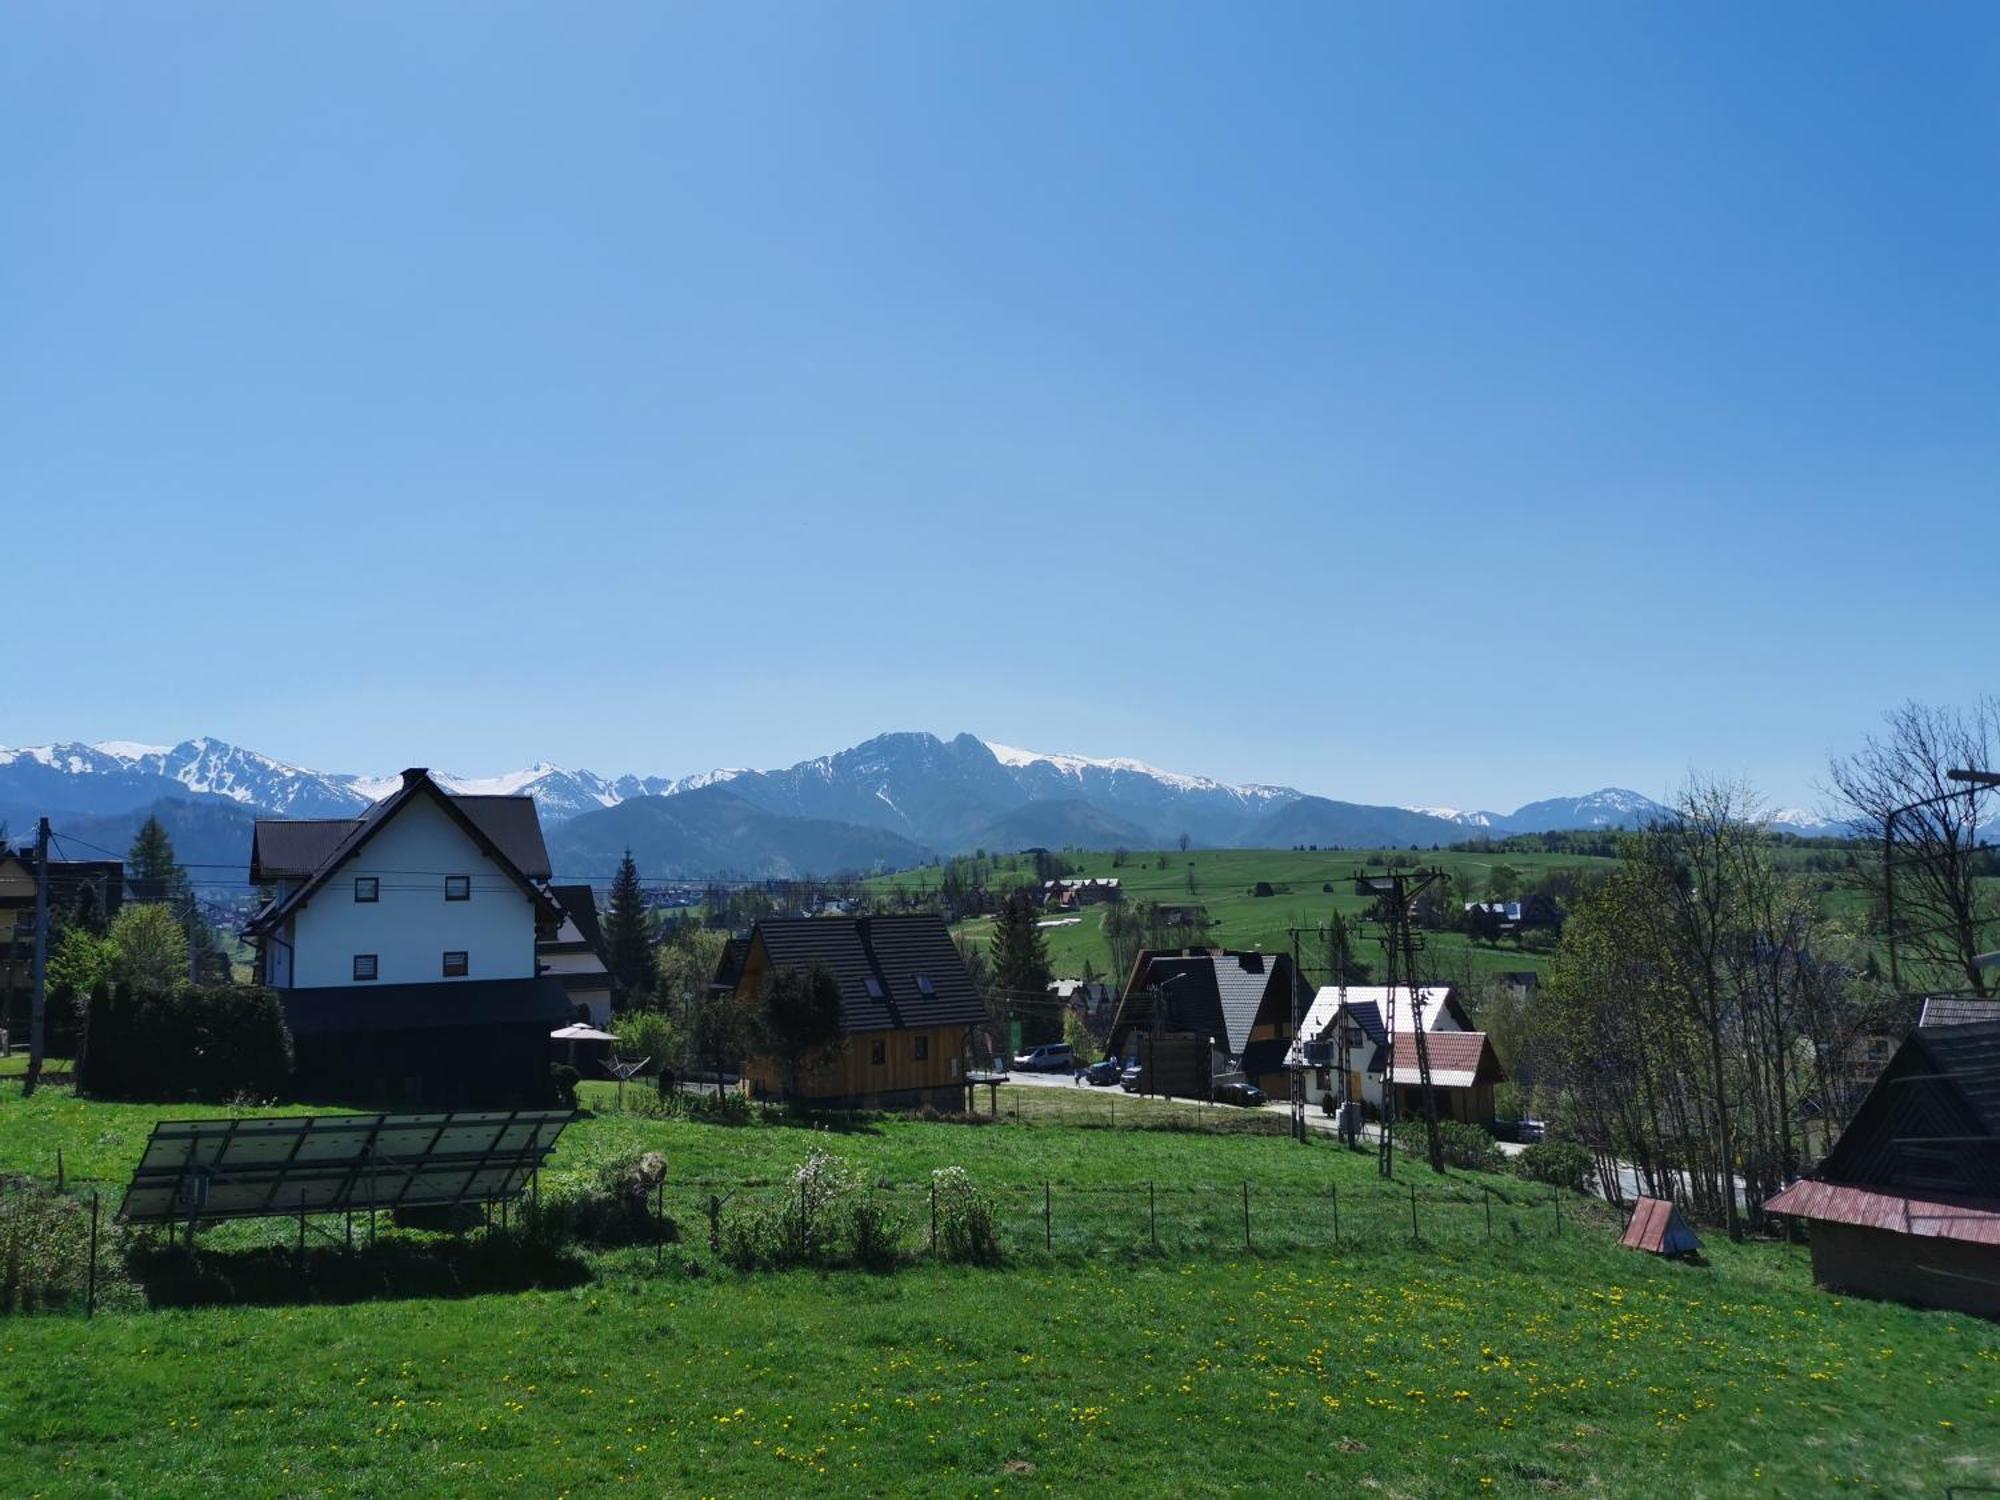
[1515, 1359]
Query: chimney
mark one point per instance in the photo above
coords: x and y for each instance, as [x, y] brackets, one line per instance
[416, 774]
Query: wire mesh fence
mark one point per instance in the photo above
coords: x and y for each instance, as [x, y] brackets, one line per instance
[62, 1251]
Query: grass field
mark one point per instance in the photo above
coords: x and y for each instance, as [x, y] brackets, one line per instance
[1529, 1364]
[1225, 879]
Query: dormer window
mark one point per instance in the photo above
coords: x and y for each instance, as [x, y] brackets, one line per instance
[367, 888]
[458, 888]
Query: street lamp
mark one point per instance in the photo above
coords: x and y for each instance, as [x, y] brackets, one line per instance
[1971, 780]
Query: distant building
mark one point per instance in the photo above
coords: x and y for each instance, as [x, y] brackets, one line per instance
[1463, 1065]
[1906, 1206]
[1091, 1001]
[1066, 895]
[906, 1006]
[1241, 1006]
[576, 956]
[403, 945]
[1959, 1010]
[99, 882]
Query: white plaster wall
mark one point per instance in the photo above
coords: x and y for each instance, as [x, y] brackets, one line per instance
[412, 926]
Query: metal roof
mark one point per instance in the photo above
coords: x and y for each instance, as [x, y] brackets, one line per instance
[1458, 1059]
[1656, 1225]
[1959, 1010]
[1942, 1216]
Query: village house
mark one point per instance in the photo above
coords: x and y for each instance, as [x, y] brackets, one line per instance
[1354, 1024]
[576, 956]
[1906, 1206]
[906, 1006]
[99, 882]
[403, 947]
[1240, 1007]
[1067, 895]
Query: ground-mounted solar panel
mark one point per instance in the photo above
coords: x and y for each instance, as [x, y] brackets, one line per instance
[246, 1169]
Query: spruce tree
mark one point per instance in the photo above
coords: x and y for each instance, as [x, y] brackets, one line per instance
[1021, 970]
[151, 866]
[628, 934]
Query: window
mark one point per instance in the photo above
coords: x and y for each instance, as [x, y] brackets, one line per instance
[878, 1053]
[920, 1049]
[364, 966]
[925, 987]
[873, 986]
[458, 888]
[367, 888]
[455, 965]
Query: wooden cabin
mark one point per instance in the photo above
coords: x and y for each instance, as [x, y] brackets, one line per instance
[1906, 1206]
[906, 1005]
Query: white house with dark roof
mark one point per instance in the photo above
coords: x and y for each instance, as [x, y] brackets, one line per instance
[403, 946]
[1354, 1025]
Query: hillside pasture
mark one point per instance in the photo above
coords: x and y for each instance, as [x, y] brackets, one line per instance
[1534, 1362]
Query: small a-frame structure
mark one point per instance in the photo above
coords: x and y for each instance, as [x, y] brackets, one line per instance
[1657, 1226]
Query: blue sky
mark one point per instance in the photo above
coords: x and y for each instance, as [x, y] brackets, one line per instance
[1409, 403]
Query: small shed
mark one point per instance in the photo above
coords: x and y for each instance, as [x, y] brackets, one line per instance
[1657, 1226]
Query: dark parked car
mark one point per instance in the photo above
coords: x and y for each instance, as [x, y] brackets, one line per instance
[1246, 1094]
[1105, 1072]
[1129, 1079]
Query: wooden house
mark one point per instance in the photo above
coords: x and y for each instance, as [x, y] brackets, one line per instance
[1906, 1206]
[1242, 1005]
[906, 1005]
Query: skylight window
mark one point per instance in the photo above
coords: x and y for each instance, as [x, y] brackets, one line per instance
[925, 987]
[874, 987]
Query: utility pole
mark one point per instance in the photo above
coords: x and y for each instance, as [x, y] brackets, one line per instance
[1396, 892]
[1297, 1073]
[38, 1015]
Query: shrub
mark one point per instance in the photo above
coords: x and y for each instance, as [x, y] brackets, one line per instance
[214, 1042]
[1563, 1163]
[1465, 1146]
[44, 1248]
[562, 1081]
[874, 1232]
[965, 1228]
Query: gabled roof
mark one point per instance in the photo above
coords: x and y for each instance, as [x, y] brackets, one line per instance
[1211, 993]
[917, 977]
[1657, 1225]
[506, 829]
[1458, 1059]
[1365, 1007]
[580, 927]
[1944, 1216]
[1958, 1010]
[1930, 1125]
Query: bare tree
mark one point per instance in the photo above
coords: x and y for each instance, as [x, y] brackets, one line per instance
[1895, 790]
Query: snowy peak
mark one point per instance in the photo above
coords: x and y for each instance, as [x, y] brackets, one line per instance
[1079, 768]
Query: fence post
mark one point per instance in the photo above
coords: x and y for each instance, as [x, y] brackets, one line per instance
[1246, 1215]
[302, 1230]
[659, 1221]
[714, 1224]
[1559, 1212]
[1048, 1217]
[59, 1169]
[934, 1216]
[1336, 1213]
[1415, 1234]
[1114, 1111]
[90, 1296]
[1487, 1193]
[1153, 1217]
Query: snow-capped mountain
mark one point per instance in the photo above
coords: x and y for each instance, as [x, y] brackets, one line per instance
[1610, 807]
[932, 793]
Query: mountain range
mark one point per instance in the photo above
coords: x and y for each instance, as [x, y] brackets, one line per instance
[894, 800]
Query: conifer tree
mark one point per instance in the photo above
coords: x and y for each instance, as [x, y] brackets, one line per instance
[628, 934]
[151, 865]
[1021, 968]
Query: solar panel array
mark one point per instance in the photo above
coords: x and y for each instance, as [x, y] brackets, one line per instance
[247, 1169]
